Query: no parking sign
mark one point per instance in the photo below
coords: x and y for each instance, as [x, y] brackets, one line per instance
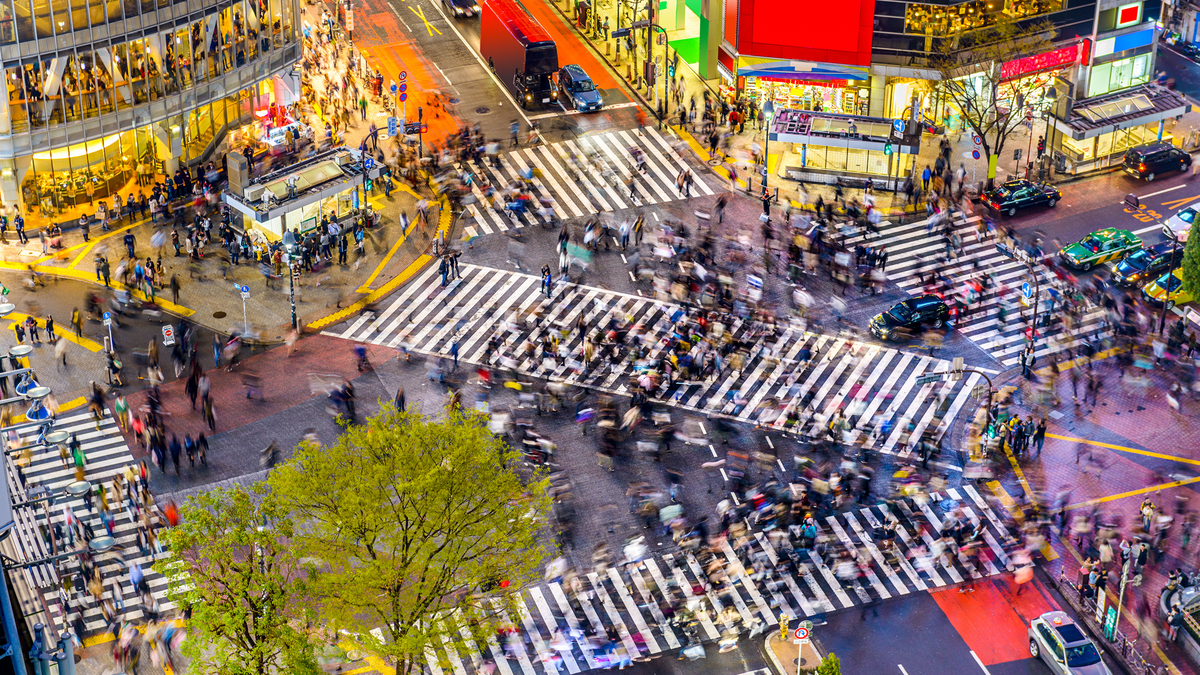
[801, 634]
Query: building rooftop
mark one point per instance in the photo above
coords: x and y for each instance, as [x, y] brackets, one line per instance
[1147, 103]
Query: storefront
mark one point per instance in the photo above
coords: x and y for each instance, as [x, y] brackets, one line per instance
[1100, 130]
[820, 147]
[835, 96]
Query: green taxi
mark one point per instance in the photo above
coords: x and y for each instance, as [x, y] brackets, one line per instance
[1169, 288]
[1099, 247]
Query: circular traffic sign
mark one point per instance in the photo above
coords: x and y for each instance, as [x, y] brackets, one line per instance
[403, 97]
[403, 86]
[403, 74]
[975, 154]
[801, 633]
[977, 139]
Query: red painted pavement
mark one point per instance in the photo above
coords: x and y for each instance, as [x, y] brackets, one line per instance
[284, 384]
[992, 620]
[571, 48]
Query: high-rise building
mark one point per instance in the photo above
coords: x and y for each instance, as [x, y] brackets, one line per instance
[104, 95]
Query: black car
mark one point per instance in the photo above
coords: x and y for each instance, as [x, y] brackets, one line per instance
[1020, 194]
[1145, 264]
[907, 318]
[1190, 50]
[462, 7]
[1147, 161]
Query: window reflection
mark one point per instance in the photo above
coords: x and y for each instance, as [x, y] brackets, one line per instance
[939, 20]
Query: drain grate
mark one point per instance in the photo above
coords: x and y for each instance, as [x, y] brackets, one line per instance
[218, 315]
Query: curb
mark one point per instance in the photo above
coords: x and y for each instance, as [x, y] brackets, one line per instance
[774, 659]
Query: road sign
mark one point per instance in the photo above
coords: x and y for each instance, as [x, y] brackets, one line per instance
[1132, 201]
[245, 292]
[393, 89]
[755, 282]
[404, 74]
[802, 634]
[640, 24]
[108, 318]
[974, 154]
[620, 32]
[391, 126]
[979, 391]
[977, 139]
[403, 86]
[168, 336]
[928, 379]
[898, 125]
[403, 97]
[369, 163]
[1026, 290]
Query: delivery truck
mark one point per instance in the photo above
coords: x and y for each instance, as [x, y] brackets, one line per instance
[519, 51]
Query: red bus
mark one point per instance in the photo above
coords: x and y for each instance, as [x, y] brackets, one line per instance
[519, 51]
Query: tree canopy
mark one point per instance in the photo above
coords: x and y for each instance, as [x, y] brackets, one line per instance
[230, 561]
[1191, 265]
[423, 528]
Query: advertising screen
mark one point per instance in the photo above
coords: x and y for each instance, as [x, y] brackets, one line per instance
[808, 30]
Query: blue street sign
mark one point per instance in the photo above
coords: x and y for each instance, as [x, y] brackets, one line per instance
[1026, 290]
[391, 126]
[898, 125]
[975, 154]
[370, 163]
[403, 97]
[404, 74]
[393, 89]
[245, 289]
[403, 86]
[107, 316]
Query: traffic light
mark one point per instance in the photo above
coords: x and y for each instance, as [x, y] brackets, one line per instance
[671, 69]
[887, 148]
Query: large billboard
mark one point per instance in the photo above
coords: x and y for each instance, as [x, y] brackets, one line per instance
[827, 31]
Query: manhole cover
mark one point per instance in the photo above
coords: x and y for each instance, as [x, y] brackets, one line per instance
[454, 101]
[218, 315]
[714, 162]
[483, 110]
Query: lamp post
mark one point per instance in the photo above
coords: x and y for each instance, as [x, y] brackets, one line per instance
[289, 245]
[768, 111]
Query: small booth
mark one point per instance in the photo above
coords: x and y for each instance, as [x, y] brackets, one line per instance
[822, 147]
[1097, 131]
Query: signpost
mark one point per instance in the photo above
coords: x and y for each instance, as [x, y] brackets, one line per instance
[803, 636]
[928, 379]
[108, 324]
[392, 126]
[245, 296]
[168, 336]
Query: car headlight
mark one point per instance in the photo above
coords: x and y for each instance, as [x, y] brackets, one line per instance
[475, 8]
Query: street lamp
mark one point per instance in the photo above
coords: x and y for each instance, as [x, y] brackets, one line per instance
[768, 110]
[289, 245]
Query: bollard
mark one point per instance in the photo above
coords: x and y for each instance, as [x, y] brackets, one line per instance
[66, 658]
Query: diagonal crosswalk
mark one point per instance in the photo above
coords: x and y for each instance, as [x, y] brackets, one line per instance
[790, 379]
[766, 577]
[46, 473]
[592, 182]
[912, 250]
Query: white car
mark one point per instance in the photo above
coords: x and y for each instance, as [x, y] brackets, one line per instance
[1178, 226]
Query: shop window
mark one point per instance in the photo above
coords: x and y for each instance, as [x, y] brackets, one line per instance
[940, 20]
[8, 32]
[18, 109]
[856, 160]
[23, 18]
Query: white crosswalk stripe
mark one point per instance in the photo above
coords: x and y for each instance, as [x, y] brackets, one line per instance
[912, 250]
[575, 193]
[630, 598]
[106, 455]
[876, 383]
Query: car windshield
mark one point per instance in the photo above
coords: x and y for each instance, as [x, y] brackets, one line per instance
[1187, 215]
[900, 313]
[585, 85]
[1139, 259]
[1082, 655]
[1170, 282]
[1092, 244]
[1004, 192]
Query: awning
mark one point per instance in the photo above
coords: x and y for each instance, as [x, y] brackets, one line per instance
[799, 70]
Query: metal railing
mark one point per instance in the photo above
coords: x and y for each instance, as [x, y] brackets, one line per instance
[1120, 646]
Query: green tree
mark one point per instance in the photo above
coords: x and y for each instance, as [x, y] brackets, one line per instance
[423, 526]
[830, 665]
[1191, 266]
[231, 561]
[972, 79]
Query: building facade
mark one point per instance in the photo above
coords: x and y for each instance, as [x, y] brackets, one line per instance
[104, 95]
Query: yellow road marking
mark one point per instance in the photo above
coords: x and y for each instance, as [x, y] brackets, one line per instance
[1010, 505]
[88, 277]
[1122, 448]
[1133, 493]
[67, 335]
[1177, 203]
[366, 286]
[428, 26]
[1077, 363]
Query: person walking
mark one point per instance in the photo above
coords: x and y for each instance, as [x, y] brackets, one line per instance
[1039, 435]
[32, 327]
[546, 280]
[19, 329]
[1028, 358]
[77, 322]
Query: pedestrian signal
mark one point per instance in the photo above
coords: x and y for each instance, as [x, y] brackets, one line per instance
[887, 149]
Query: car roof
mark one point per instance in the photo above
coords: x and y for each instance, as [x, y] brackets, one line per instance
[1020, 182]
[1150, 148]
[575, 70]
[925, 300]
[1160, 248]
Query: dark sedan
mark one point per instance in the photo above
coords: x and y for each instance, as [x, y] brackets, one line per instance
[907, 318]
[1145, 264]
[1020, 194]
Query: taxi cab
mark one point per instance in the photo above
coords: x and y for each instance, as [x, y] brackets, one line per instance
[1058, 641]
[1099, 247]
[1168, 288]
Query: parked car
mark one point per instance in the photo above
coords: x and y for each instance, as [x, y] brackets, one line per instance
[1056, 639]
[1167, 288]
[578, 88]
[461, 8]
[1020, 194]
[1147, 161]
[1099, 247]
[1189, 49]
[906, 318]
[1145, 263]
[1178, 225]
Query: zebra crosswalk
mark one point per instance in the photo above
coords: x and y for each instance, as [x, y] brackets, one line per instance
[912, 250]
[785, 370]
[591, 186]
[766, 577]
[45, 473]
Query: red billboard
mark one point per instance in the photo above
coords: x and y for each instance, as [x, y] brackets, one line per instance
[807, 30]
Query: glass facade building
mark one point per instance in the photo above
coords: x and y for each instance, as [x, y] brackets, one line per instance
[104, 94]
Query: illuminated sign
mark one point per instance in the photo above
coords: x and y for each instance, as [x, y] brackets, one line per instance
[1034, 64]
[1129, 15]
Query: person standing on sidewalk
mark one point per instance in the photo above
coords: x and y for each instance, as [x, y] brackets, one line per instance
[605, 27]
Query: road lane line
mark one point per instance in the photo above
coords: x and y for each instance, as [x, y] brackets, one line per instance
[981, 666]
[1155, 194]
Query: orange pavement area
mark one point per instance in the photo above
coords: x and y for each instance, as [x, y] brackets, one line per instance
[397, 53]
[992, 620]
[571, 48]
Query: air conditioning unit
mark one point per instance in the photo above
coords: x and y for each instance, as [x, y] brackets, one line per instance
[346, 159]
[254, 193]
